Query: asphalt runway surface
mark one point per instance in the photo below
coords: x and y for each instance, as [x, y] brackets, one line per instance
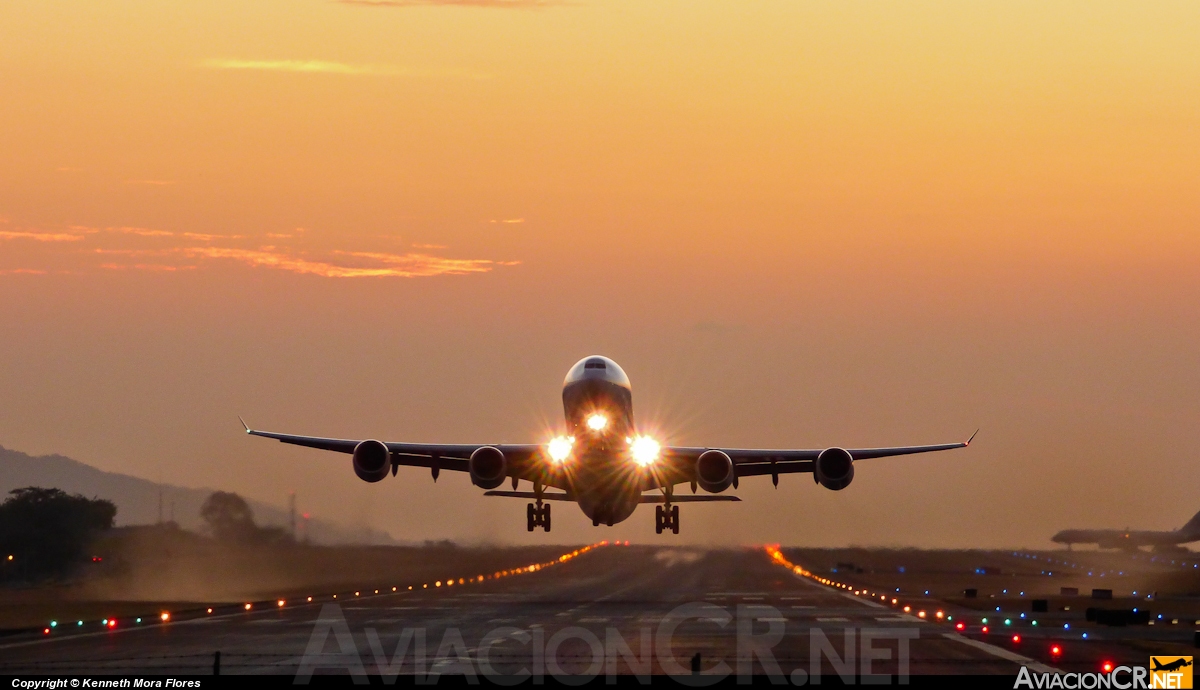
[740, 610]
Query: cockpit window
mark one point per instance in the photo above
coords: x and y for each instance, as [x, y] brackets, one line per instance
[594, 364]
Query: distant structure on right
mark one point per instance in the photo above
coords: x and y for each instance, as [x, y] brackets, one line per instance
[1131, 540]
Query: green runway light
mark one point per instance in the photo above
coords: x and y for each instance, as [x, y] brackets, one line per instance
[79, 623]
[985, 621]
[53, 624]
[1035, 622]
[139, 620]
[1008, 621]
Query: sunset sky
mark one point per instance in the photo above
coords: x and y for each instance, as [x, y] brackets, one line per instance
[794, 224]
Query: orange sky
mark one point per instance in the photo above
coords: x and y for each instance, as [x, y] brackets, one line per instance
[794, 224]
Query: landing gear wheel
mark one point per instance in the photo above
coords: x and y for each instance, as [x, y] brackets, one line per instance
[545, 517]
[675, 519]
[530, 518]
[658, 519]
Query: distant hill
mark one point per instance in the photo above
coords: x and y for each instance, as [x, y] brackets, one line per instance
[137, 499]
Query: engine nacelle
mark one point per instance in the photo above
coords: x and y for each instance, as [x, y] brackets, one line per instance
[488, 467]
[371, 461]
[714, 471]
[834, 469]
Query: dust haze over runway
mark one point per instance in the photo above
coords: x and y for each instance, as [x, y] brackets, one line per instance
[614, 593]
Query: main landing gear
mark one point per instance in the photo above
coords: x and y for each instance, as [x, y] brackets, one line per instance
[538, 516]
[666, 517]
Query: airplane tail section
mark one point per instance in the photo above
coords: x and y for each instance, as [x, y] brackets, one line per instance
[1192, 528]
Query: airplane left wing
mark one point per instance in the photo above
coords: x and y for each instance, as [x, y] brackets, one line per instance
[452, 456]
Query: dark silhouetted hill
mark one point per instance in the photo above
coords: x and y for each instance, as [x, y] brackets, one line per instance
[137, 499]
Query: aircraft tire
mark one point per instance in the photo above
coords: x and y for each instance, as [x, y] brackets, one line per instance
[529, 515]
[546, 517]
[675, 519]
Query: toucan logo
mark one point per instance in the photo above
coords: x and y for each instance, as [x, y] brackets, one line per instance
[1170, 671]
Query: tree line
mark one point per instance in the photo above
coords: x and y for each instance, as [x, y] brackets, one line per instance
[46, 534]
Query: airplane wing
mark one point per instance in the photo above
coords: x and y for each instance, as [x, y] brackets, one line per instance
[526, 460]
[750, 462]
[453, 456]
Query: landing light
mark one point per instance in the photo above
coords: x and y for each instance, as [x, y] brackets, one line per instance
[645, 450]
[597, 422]
[559, 448]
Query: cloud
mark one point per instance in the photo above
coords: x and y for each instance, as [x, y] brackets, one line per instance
[417, 265]
[22, 271]
[429, 246]
[508, 221]
[509, 4]
[395, 265]
[156, 268]
[167, 251]
[330, 67]
[132, 252]
[279, 235]
[150, 232]
[39, 236]
[143, 232]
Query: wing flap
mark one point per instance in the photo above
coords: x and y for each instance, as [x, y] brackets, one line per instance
[551, 496]
[661, 498]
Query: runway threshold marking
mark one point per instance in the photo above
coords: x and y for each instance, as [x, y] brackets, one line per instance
[1033, 664]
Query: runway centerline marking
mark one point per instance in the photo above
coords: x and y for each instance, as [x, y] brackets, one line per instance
[865, 602]
[1033, 664]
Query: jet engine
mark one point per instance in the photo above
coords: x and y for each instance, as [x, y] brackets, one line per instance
[371, 461]
[714, 471]
[834, 469]
[488, 467]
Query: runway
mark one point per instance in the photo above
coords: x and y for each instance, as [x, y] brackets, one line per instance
[615, 609]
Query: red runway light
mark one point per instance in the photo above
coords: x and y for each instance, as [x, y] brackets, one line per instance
[46, 631]
[985, 628]
[959, 626]
[112, 622]
[1016, 638]
[1056, 650]
[1107, 666]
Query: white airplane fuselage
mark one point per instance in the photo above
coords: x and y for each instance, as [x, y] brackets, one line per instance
[601, 471]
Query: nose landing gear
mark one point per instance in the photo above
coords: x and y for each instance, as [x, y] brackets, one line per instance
[666, 517]
[538, 516]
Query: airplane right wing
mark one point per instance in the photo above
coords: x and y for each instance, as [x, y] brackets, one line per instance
[750, 462]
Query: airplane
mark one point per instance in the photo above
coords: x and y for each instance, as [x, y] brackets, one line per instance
[1131, 540]
[603, 463]
[1182, 662]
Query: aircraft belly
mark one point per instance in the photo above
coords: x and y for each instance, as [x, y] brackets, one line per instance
[606, 487]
